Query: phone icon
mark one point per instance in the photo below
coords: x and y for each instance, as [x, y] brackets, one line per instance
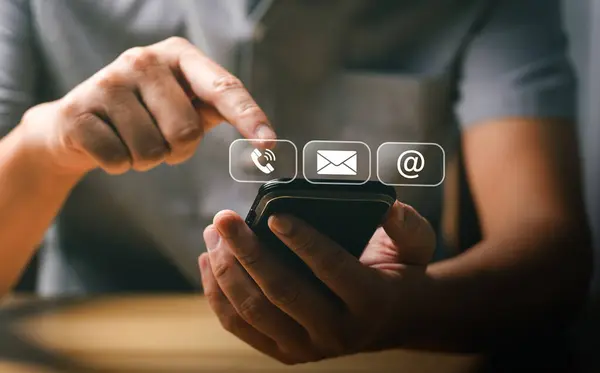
[269, 156]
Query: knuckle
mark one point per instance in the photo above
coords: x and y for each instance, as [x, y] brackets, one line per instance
[79, 125]
[31, 115]
[185, 135]
[177, 42]
[139, 58]
[222, 267]
[109, 80]
[283, 295]
[253, 309]
[69, 106]
[250, 258]
[248, 108]
[121, 105]
[306, 243]
[225, 84]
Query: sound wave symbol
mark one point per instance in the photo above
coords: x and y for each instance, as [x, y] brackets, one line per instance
[270, 155]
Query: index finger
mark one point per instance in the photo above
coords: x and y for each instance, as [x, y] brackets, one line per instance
[214, 85]
[334, 266]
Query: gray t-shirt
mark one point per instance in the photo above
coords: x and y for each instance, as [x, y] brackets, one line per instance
[375, 71]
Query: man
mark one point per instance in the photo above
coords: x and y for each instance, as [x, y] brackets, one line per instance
[105, 89]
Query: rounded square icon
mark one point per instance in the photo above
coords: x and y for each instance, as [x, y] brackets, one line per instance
[336, 162]
[251, 163]
[415, 164]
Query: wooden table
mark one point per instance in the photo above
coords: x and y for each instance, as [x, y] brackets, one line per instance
[176, 333]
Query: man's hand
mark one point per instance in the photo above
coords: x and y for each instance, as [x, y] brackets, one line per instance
[275, 311]
[151, 105]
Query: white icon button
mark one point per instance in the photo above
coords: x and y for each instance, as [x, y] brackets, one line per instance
[251, 163]
[410, 163]
[269, 156]
[337, 162]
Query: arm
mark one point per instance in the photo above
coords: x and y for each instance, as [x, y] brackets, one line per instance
[532, 268]
[28, 203]
[30, 192]
[517, 110]
[117, 120]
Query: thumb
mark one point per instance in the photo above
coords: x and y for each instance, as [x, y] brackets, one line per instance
[413, 235]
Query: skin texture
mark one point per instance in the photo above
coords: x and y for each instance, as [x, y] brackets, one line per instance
[529, 273]
[277, 312]
[151, 105]
[120, 119]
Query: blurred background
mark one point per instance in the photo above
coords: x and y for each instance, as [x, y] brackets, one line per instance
[582, 21]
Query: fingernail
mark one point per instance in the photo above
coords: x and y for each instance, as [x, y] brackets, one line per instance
[280, 224]
[212, 238]
[264, 132]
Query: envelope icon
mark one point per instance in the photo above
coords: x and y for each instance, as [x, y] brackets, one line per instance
[336, 162]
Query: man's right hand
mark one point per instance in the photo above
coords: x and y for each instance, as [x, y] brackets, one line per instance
[151, 105]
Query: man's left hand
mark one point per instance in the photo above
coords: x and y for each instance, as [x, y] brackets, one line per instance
[280, 314]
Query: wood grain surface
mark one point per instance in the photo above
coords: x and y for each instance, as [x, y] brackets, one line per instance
[175, 333]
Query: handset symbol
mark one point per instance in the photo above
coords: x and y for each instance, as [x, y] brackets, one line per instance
[269, 156]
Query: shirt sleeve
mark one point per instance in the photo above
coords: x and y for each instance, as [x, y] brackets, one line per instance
[517, 65]
[17, 63]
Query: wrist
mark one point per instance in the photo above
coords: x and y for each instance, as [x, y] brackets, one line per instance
[33, 141]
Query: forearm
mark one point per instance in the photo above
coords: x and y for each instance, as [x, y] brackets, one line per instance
[31, 193]
[522, 283]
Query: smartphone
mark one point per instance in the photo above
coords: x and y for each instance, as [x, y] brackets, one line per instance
[348, 214]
